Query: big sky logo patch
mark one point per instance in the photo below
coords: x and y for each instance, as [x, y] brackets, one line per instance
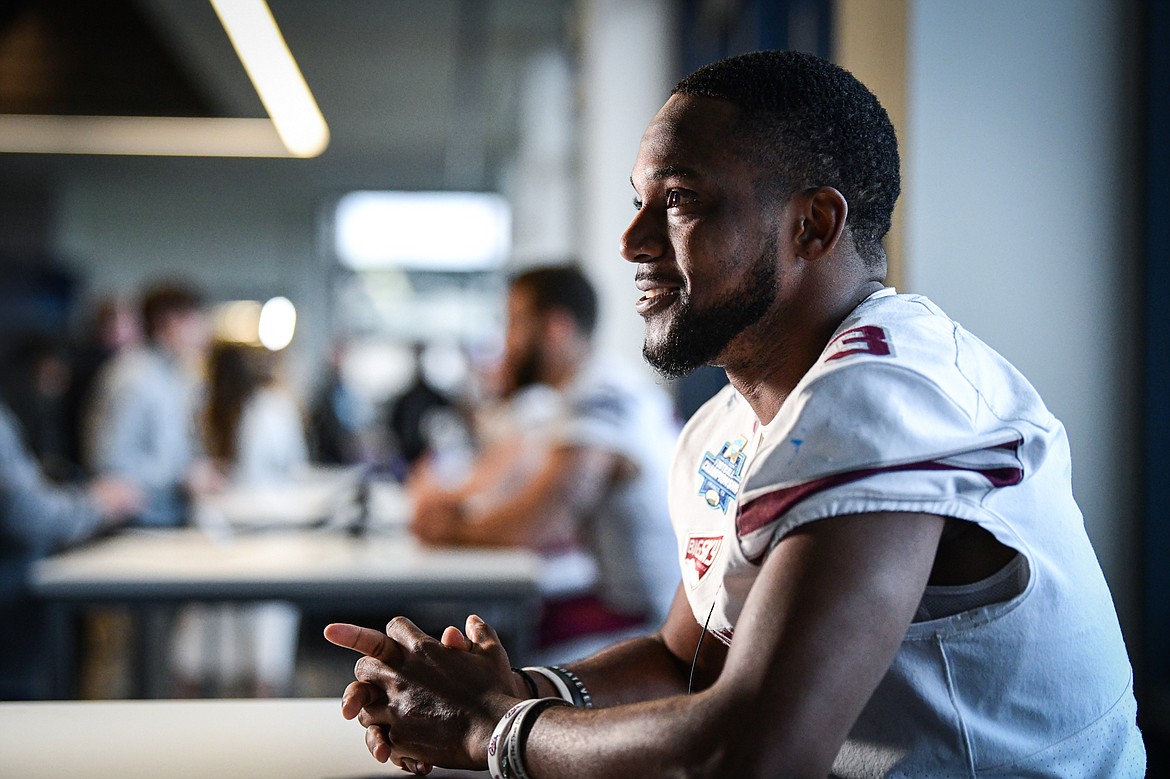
[701, 554]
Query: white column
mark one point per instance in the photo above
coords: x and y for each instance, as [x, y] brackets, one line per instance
[627, 68]
[541, 183]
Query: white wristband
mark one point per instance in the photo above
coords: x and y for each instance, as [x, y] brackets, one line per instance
[495, 750]
[557, 681]
[514, 743]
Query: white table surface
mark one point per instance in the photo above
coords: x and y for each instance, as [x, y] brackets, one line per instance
[189, 563]
[326, 570]
[249, 739]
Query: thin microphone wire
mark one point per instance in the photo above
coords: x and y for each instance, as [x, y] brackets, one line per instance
[699, 644]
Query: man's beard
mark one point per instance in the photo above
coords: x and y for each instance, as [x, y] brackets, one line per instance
[697, 336]
[527, 370]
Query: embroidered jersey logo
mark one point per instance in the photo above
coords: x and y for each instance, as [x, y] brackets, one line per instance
[700, 556]
[721, 474]
[867, 339]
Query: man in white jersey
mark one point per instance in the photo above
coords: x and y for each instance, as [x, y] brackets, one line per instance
[581, 477]
[884, 571]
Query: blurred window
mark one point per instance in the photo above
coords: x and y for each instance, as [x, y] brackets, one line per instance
[428, 231]
[422, 268]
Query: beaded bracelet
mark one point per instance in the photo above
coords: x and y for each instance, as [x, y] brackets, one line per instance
[581, 697]
[568, 685]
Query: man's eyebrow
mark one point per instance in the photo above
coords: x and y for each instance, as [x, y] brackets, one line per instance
[668, 172]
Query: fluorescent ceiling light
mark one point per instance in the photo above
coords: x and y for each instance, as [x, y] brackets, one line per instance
[295, 128]
[274, 74]
[161, 135]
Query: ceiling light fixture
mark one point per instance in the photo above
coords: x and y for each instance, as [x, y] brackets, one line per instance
[295, 127]
[274, 74]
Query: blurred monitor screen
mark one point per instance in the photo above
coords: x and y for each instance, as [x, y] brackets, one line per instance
[427, 231]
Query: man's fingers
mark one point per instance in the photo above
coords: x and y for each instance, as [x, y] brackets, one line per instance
[405, 633]
[378, 743]
[374, 716]
[372, 670]
[414, 765]
[365, 640]
[483, 637]
[453, 639]
[357, 696]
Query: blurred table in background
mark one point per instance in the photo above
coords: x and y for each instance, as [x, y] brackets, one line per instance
[326, 570]
[248, 739]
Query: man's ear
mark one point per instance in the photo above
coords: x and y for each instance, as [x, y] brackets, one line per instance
[821, 221]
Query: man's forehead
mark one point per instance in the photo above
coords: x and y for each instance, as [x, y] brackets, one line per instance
[686, 131]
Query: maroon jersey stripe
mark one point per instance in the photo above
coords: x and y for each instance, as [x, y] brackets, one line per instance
[765, 509]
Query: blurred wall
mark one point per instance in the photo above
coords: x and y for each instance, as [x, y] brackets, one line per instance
[235, 228]
[1022, 206]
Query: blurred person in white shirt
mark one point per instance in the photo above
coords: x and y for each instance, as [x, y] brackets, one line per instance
[254, 433]
[141, 418]
[580, 477]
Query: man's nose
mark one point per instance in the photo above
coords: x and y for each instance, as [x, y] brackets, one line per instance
[644, 240]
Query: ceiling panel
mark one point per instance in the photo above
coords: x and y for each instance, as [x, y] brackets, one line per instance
[425, 85]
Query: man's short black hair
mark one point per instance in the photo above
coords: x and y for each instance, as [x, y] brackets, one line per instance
[564, 288]
[810, 123]
[164, 300]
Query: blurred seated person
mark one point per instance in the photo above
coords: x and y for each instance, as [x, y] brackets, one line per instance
[37, 518]
[141, 419]
[255, 435]
[587, 472]
[114, 324]
[411, 414]
[35, 382]
[336, 417]
[253, 425]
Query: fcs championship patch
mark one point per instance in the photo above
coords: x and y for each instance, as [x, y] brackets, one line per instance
[700, 556]
[720, 474]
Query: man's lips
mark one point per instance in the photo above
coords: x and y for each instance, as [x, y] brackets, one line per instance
[655, 295]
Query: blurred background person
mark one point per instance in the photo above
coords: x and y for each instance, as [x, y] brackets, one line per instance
[37, 518]
[579, 467]
[140, 424]
[255, 435]
[412, 415]
[336, 418]
[253, 425]
[35, 386]
[115, 324]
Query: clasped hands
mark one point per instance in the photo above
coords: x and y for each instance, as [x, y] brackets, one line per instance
[427, 702]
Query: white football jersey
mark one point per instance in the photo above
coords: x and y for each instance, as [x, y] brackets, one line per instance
[905, 411]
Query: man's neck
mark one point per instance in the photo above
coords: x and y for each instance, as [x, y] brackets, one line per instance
[778, 352]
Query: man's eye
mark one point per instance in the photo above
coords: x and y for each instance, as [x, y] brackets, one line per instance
[637, 203]
[678, 197]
